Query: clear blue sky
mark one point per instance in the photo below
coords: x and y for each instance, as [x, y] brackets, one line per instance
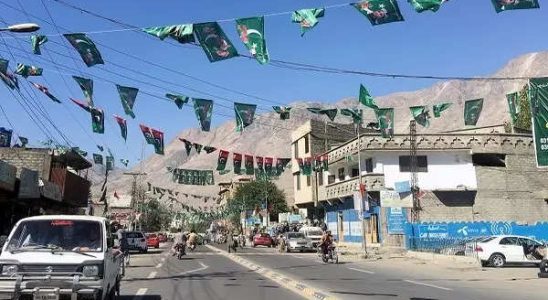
[464, 38]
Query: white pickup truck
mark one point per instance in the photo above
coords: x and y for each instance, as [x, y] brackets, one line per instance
[60, 257]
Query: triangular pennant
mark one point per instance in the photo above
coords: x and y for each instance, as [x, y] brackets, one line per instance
[97, 120]
[46, 92]
[307, 18]
[380, 11]
[283, 111]
[198, 147]
[86, 85]
[181, 33]
[179, 100]
[127, 96]
[244, 115]
[86, 48]
[438, 108]
[37, 41]
[203, 109]
[214, 41]
[209, 149]
[251, 31]
[366, 99]
[421, 115]
[26, 71]
[81, 104]
[188, 145]
[123, 126]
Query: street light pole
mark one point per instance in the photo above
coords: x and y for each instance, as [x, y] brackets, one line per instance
[362, 202]
[23, 27]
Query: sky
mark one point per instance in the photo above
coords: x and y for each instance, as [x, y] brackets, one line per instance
[464, 38]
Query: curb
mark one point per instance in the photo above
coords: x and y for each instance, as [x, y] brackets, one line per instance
[295, 286]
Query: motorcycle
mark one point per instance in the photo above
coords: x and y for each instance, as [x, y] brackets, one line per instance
[180, 248]
[233, 246]
[241, 240]
[331, 254]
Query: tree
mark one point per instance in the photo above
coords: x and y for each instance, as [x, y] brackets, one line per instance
[524, 116]
[155, 216]
[255, 195]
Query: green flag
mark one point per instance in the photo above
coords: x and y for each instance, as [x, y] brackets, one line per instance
[355, 113]
[513, 105]
[251, 31]
[237, 160]
[438, 108]
[127, 96]
[307, 18]
[380, 11]
[221, 161]
[110, 163]
[366, 99]
[421, 115]
[502, 5]
[433, 5]
[249, 167]
[283, 111]
[147, 133]
[37, 41]
[9, 79]
[85, 46]
[214, 41]
[158, 141]
[24, 141]
[198, 147]
[314, 110]
[330, 113]
[203, 109]
[86, 85]
[325, 162]
[281, 163]
[97, 120]
[179, 100]
[188, 145]
[97, 159]
[209, 149]
[244, 115]
[46, 91]
[123, 126]
[385, 118]
[307, 166]
[538, 100]
[181, 33]
[125, 162]
[26, 71]
[472, 111]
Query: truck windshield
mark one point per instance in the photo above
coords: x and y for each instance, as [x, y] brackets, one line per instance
[58, 235]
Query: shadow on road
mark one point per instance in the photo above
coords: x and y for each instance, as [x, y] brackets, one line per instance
[364, 294]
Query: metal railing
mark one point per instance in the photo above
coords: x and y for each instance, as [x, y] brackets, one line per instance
[446, 246]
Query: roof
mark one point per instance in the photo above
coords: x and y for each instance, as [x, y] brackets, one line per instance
[66, 217]
[73, 159]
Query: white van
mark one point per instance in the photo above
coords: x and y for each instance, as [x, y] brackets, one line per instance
[313, 235]
[55, 257]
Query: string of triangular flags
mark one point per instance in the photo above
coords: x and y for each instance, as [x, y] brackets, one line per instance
[317, 163]
[192, 177]
[172, 195]
[261, 167]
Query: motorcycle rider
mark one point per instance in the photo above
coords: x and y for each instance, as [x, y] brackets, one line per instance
[179, 240]
[326, 242]
[192, 239]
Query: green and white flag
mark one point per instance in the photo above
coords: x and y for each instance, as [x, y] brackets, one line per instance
[97, 120]
[222, 159]
[330, 113]
[237, 163]
[125, 162]
[214, 41]
[380, 11]
[179, 100]
[110, 163]
[26, 71]
[123, 126]
[433, 5]
[421, 115]
[86, 85]
[251, 31]
[203, 109]
[87, 49]
[181, 33]
[37, 41]
[385, 118]
[513, 106]
[9, 79]
[307, 18]
[97, 159]
[438, 108]
[127, 96]
[198, 147]
[472, 111]
[502, 5]
[366, 99]
[244, 115]
[283, 111]
[538, 99]
[355, 113]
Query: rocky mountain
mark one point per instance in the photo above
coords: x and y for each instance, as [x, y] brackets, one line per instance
[270, 136]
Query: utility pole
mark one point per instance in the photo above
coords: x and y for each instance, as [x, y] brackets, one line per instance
[134, 200]
[362, 202]
[413, 168]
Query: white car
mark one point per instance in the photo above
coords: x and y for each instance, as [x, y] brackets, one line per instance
[313, 235]
[136, 240]
[500, 250]
[60, 257]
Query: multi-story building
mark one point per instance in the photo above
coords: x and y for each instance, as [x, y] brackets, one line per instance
[462, 176]
[227, 189]
[41, 181]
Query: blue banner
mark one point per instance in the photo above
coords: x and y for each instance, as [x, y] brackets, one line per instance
[396, 220]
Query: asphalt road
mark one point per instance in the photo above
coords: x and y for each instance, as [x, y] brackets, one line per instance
[202, 274]
[399, 279]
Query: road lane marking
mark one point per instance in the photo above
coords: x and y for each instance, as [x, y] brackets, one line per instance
[152, 275]
[203, 267]
[159, 265]
[360, 270]
[429, 285]
[163, 259]
[140, 292]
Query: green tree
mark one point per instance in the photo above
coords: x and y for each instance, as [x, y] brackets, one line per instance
[524, 116]
[255, 194]
[155, 216]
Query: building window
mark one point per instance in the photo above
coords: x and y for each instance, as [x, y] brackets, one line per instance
[296, 149]
[355, 172]
[341, 174]
[331, 179]
[320, 178]
[489, 160]
[298, 181]
[306, 144]
[405, 163]
[369, 165]
[308, 181]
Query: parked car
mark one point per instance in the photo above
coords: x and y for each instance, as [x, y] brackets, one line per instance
[136, 241]
[296, 241]
[60, 257]
[153, 240]
[262, 239]
[500, 250]
[313, 234]
[162, 237]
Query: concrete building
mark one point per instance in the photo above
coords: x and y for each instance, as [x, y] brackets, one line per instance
[227, 189]
[465, 176]
[41, 181]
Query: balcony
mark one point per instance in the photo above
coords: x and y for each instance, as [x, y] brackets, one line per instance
[74, 189]
[373, 182]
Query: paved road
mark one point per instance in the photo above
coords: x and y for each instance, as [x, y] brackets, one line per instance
[399, 279]
[200, 275]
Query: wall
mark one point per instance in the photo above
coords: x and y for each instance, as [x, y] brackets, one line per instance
[352, 226]
[33, 159]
